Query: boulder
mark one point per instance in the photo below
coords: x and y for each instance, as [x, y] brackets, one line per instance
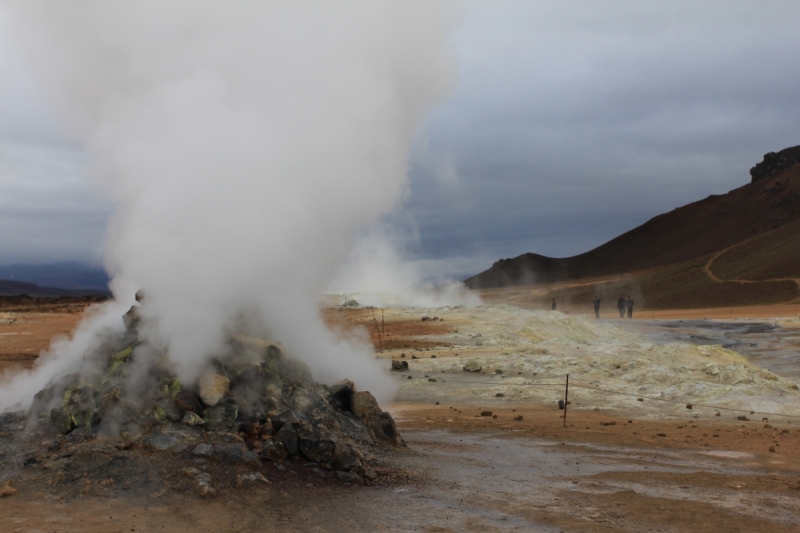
[213, 388]
[234, 454]
[380, 424]
[188, 402]
[287, 436]
[165, 409]
[222, 417]
[342, 395]
[346, 459]
[398, 365]
[286, 416]
[274, 451]
[60, 421]
[472, 366]
[315, 444]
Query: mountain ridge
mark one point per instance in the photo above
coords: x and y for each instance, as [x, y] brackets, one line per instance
[750, 231]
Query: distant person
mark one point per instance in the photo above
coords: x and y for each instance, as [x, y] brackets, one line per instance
[629, 303]
[596, 303]
[621, 306]
[554, 305]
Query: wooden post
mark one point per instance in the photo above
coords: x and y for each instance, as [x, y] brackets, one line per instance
[566, 397]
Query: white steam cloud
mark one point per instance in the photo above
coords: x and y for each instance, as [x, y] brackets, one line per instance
[377, 273]
[243, 144]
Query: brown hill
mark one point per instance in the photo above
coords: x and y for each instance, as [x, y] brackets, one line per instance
[740, 248]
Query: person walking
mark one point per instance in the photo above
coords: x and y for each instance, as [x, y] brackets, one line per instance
[621, 306]
[554, 305]
[596, 303]
[630, 306]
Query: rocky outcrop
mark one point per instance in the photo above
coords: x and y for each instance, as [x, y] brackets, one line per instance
[774, 163]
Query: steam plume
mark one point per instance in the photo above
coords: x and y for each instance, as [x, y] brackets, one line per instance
[243, 143]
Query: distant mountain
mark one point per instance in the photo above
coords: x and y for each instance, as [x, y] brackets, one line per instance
[19, 288]
[64, 275]
[738, 248]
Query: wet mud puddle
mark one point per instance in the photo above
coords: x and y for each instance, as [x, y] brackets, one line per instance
[503, 483]
[767, 344]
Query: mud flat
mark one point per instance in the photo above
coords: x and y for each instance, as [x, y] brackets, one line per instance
[495, 453]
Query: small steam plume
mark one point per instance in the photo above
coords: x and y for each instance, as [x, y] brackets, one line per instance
[378, 273]
[243, 144]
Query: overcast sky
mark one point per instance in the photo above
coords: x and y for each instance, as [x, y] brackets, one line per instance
[570, 123]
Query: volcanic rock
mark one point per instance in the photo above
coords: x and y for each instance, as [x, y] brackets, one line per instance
[213, 388]
[287, 436]
[203, 485]
[380, 424]
[188, 402]
[399, 365]
[274, 451]
[472, 366]
[350, 477]
[234, 454]
[315, 445]
[774, 163]
[246, 480]
[192, 419]
[222, 417]
[345, 459]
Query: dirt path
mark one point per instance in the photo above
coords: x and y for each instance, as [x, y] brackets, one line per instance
[713, 277]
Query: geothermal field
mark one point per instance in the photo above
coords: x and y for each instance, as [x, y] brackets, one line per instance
[662, 426]
[279, 266]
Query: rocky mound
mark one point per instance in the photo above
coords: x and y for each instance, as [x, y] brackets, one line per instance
[253, 404]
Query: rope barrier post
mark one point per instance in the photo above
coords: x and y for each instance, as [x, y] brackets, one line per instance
[566, 396]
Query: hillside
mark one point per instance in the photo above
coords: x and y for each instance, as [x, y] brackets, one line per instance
[738, 248]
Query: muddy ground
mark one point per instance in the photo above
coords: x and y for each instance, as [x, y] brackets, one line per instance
[605, 470]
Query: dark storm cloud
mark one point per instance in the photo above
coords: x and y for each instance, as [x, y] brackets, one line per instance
[576, 121]
[571, 123]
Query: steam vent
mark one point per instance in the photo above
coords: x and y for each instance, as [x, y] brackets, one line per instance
[255, 408]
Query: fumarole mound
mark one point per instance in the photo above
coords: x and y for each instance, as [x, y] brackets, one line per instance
[254, 406]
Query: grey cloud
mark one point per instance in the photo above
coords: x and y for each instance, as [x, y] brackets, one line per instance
[576, 121]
